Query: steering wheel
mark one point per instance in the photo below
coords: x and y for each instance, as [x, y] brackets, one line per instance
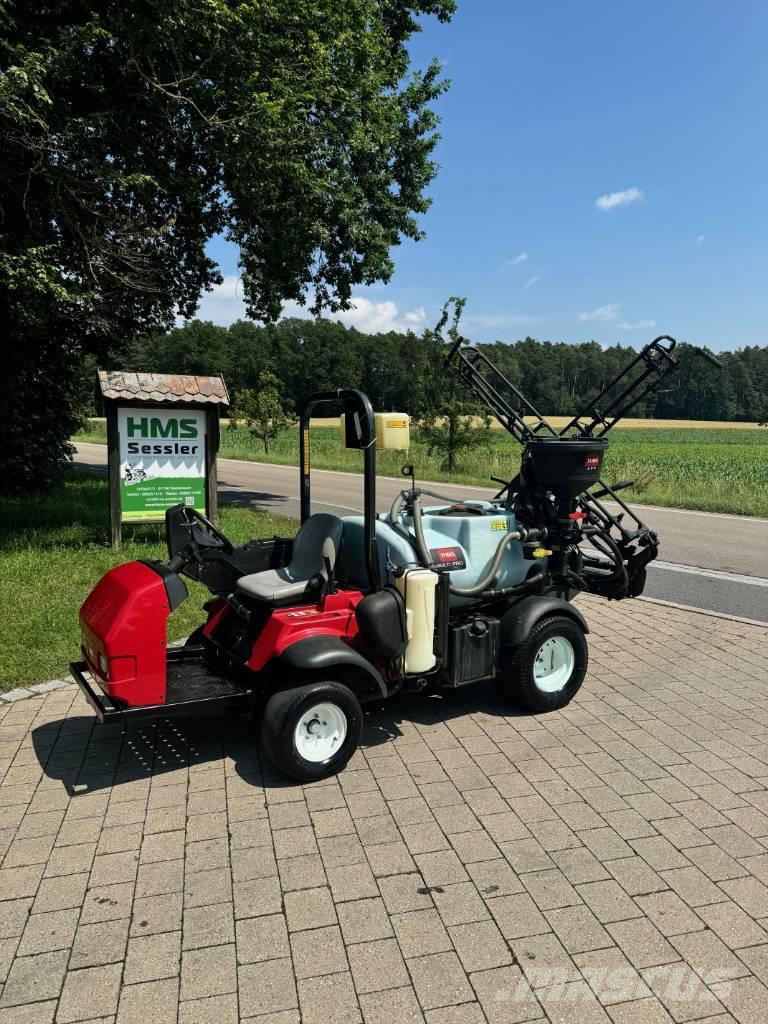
[204, 533]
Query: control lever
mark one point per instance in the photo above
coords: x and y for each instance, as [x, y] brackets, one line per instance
[330, 575]
[329, 559]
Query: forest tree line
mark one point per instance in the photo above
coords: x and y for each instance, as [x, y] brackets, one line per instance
[403, 371]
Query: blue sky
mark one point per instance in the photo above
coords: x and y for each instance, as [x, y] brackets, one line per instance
[603, 174]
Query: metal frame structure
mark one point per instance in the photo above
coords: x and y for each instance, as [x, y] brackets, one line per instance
[358, 406]
[632, 546]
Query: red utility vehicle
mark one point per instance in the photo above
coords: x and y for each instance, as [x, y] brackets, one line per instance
[304, 631]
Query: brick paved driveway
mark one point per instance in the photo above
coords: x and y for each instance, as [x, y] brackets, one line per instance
[606, 863]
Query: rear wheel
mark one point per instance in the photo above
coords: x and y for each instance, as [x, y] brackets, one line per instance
[311, 731]
[547, 669]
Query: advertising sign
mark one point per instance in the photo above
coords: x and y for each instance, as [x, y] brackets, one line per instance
[162, 460]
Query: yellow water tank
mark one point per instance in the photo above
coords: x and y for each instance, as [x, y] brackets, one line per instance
[392, 430]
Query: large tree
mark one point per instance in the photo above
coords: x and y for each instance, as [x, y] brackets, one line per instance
[134, 132]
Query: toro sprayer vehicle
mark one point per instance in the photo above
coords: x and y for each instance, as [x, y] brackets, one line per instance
[436, 593]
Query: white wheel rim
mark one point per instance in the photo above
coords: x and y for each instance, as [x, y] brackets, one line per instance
[320, 732]
[554, 664]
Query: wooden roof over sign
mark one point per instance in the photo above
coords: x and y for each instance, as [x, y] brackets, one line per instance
[162, 387]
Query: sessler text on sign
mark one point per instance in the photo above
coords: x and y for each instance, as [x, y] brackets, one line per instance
[162, 460]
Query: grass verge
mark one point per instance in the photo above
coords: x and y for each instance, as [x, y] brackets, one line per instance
[53, 549]
[711, 469]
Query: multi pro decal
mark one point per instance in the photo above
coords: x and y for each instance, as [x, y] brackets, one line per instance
[162, 460]
[447, 559]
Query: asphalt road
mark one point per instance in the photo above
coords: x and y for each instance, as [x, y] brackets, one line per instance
[707, 560]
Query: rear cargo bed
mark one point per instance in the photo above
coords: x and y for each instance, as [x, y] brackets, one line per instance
[192, 688]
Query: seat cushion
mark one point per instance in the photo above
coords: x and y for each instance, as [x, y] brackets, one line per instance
[317, 540]
[272, 585]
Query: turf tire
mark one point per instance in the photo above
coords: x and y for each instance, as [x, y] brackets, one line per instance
[516, 681]
[282, 714]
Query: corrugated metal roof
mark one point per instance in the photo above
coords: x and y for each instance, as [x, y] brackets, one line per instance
[163, 387]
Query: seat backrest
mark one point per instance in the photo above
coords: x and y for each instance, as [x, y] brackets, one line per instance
[319, 536]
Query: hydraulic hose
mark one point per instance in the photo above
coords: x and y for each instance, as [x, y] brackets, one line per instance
[399, 501]
[394, 511]
[619, 571]
[426, 558]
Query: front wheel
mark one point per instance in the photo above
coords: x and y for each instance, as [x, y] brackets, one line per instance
[311, 731]
[546, 670]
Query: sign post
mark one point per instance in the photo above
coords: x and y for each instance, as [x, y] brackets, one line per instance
[163, 438]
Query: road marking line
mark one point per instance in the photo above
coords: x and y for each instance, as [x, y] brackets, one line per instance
[493, 490]
[703, 611]
[717, 574]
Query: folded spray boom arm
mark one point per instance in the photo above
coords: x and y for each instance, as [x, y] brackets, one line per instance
[493, 390]
[637, 380]
[616, 400]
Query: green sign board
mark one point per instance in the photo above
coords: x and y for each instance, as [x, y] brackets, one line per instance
[162, 460]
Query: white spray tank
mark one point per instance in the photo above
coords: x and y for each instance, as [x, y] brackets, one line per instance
[417, 587]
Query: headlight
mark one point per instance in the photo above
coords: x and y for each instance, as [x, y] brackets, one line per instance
[103, 664]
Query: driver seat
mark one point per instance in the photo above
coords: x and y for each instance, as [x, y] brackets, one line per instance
[319, 538]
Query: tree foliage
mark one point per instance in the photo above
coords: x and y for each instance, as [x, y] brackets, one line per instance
[262, 409]
[134, 133]
[452, 421]
[403, 371]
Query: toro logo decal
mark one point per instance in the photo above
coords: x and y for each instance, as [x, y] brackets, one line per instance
[592, 462]
[447, 559]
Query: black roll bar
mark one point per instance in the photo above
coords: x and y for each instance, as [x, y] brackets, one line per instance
[359, 405]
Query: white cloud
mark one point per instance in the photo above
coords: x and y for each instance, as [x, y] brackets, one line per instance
[700, 239]
[517, 260]
[530, 282]
[613, 199]
[606, 314]
[379, 317]
[224, 304]
[491, 320]
[611, 314]
[638, 325]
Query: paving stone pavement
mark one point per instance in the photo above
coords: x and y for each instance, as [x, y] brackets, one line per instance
[607, 863]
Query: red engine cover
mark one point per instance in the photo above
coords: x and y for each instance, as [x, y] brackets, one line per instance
[123, 620]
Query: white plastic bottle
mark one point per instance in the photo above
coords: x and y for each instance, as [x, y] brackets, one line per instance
[417, 587]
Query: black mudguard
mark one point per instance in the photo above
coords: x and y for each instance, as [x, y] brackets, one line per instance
[328, 653]
[519, 620]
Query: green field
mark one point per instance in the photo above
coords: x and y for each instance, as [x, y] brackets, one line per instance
[718, 469]
[52, 552]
